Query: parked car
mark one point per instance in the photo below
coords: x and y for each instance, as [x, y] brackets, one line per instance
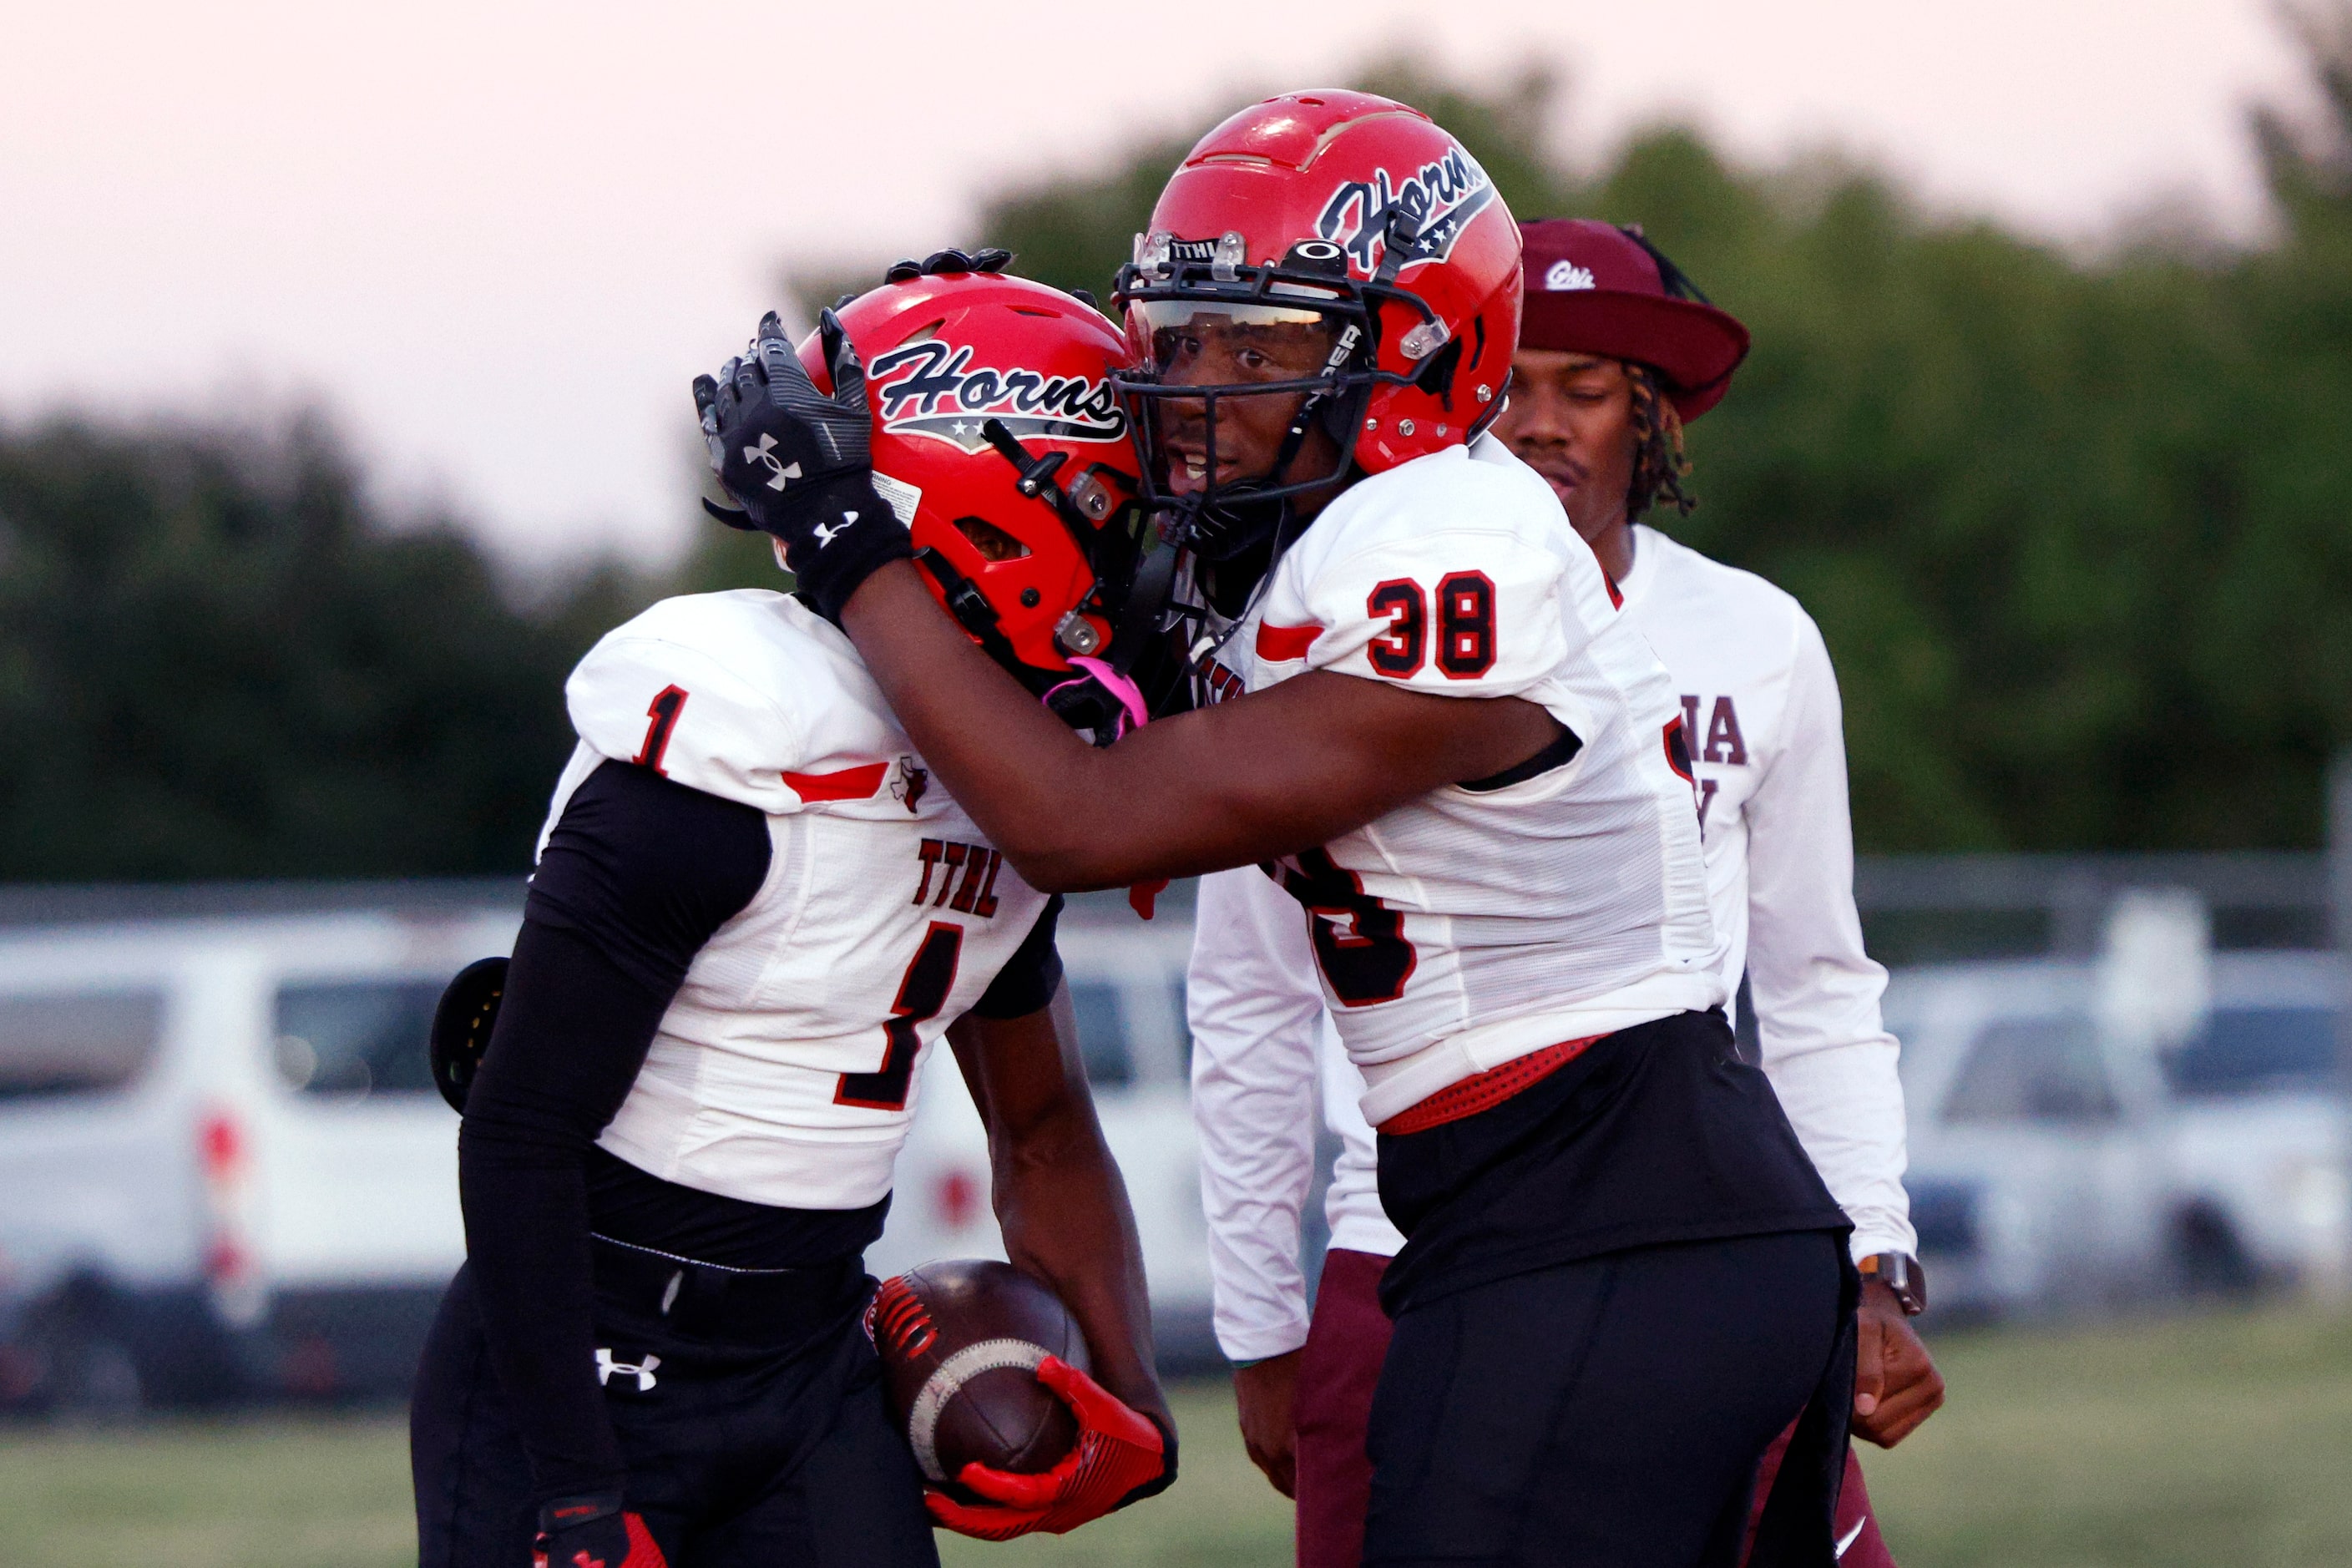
[223, 1168]
[2055, 1163]
[224, 1175]
[2258, 1146]
[2037, 1157]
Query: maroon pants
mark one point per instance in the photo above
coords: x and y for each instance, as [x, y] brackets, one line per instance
[1346, 1342]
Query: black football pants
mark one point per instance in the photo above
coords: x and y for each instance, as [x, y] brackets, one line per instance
[1604, 1414]
[739, 1456]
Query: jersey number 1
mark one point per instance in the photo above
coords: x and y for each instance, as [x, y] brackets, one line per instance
[922, 992]
[662, 713]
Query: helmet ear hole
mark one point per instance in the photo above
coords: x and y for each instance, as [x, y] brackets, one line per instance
[1436, 373]
[993, 542]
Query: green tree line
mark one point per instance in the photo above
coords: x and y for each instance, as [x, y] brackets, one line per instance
[2078, 530]
[217, 660]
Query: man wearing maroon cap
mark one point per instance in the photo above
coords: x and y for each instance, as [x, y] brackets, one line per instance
[1616, 351]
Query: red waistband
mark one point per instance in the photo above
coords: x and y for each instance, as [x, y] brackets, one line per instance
[1484, 1091]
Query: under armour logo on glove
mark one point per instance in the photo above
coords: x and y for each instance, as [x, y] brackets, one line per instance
[765, 452]
[642, 1371]
[768, 427]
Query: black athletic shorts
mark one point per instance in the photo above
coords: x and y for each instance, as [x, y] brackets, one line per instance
[751, 1418]
[1603, 1413]
[1618, 1286]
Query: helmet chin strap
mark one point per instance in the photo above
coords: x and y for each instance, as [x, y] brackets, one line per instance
[1147, 604]
[1239, 503]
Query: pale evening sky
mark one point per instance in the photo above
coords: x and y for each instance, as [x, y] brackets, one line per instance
[498, 239]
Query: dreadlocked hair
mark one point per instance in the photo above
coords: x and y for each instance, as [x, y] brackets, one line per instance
[1660, 464]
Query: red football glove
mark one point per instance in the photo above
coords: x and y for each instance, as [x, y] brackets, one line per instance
[593, 1532]
[1119, 1456]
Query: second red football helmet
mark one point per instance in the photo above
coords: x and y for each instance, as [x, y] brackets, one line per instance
[1356, 226]
[999, 441]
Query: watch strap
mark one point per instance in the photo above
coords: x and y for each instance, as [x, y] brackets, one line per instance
[1902, 1275]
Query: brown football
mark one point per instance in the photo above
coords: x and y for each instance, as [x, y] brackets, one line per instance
[960, 1341]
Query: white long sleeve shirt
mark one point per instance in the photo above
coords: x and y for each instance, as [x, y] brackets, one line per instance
[1762, 715]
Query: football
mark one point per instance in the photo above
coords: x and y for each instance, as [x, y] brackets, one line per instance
[960, 1340]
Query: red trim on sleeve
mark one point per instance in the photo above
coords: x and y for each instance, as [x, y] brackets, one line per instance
[1279, 644]
[846, 784]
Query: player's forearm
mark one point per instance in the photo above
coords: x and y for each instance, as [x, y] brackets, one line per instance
[571, 1033]
[1063, 1211]
[1030, 783]
[1266, 775]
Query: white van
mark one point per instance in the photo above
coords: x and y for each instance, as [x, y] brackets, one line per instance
[225, 1172]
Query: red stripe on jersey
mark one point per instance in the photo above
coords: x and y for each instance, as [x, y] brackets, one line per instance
[848, 783]
[1281, 644]
[1616, 599]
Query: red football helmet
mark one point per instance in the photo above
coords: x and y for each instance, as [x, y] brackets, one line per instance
[1373, 267]
[999, 441]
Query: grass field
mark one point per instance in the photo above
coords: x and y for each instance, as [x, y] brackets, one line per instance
[2224, 1440]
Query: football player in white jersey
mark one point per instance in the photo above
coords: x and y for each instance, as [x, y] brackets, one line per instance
[1614, 352]
[754, 913]
[1624, 1277]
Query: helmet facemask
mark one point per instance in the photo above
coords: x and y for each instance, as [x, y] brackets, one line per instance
[1222, 346]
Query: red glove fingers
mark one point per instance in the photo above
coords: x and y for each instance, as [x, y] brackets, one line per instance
[982, 1523]
[1118, 1451]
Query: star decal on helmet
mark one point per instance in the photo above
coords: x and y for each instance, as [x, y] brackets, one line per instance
[1441, 197]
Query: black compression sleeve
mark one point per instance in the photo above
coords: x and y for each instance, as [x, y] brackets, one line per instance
[1028, 980]
[637, 875]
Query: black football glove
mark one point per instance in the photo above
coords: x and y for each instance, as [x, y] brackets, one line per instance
[945, 262]
[798, 462]
[593, 1532]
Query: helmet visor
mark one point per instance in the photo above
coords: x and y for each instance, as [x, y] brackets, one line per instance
[1204, 342]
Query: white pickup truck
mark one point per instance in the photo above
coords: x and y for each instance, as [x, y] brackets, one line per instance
[224, 1172]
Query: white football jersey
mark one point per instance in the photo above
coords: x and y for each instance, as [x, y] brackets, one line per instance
[785, 1070]
[1470, 927]
[1760, 703]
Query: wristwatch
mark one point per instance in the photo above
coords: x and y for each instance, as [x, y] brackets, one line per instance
[1900, 1273]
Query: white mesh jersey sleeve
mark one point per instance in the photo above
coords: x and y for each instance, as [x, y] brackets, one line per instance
[747, 695]
[1453, 586]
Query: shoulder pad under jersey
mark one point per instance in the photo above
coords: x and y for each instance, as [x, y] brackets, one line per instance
[747, 695]
[1447, 575]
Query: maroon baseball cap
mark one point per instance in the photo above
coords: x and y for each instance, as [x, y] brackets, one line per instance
[1596, 288]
